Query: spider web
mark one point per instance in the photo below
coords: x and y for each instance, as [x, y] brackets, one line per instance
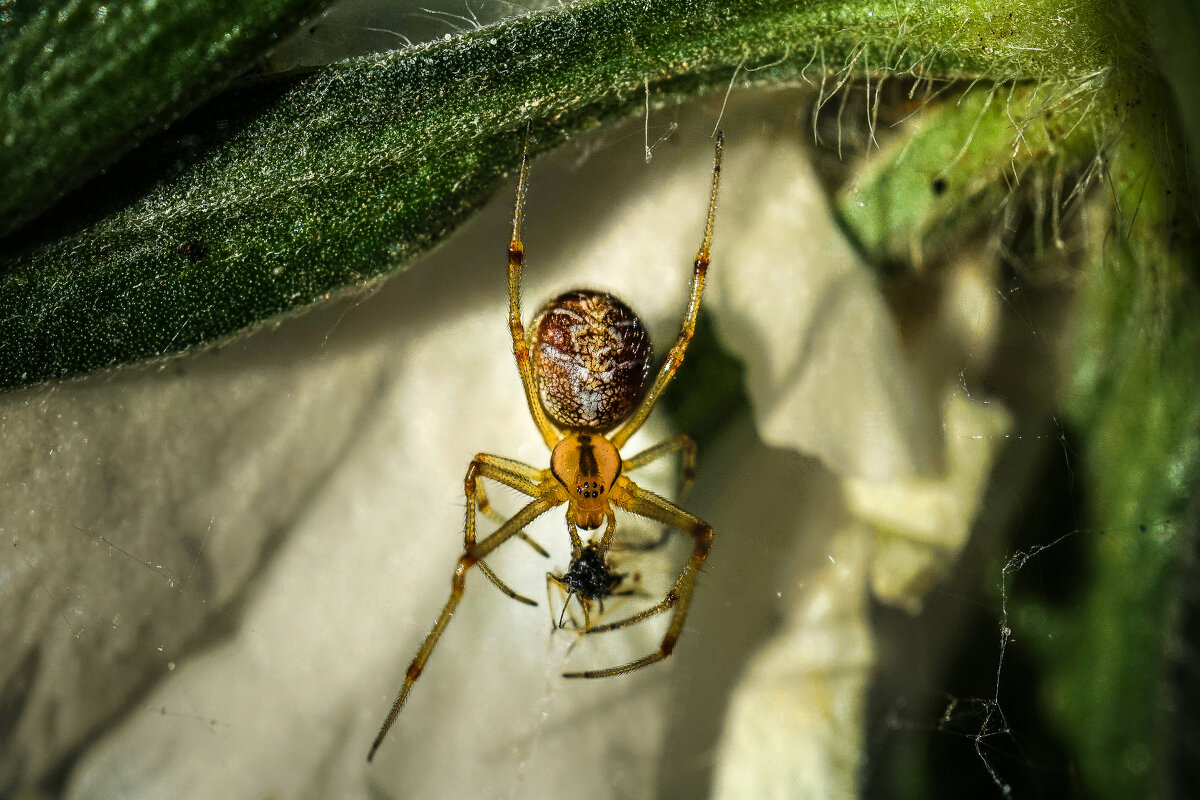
[1025, 568]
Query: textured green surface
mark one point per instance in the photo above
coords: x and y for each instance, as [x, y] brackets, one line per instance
[81, 81]
[1174, 37]
[965, 159]
[1135, 396]
[349, 173]
[1131, 393]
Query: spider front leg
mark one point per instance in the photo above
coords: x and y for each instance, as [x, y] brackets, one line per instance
[471, 557]
[680, 443]
[629, 496]
[676, 444]
[516, 260]
[675, 357]
[485, 507]
[514, 474]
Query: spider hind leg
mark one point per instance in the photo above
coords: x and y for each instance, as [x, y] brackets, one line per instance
[472, 556]
[678, 599]
[515, 475]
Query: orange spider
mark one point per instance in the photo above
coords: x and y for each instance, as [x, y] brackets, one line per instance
[584, 365]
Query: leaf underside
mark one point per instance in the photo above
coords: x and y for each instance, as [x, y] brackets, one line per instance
[276, 196]
[84, 81]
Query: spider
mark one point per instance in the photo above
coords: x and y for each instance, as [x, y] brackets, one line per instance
[584, 364]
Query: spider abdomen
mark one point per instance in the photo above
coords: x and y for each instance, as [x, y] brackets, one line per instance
[591, 357]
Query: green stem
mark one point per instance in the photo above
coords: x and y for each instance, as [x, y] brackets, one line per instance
[1133, 396]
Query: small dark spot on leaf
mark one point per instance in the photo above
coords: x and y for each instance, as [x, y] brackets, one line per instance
[939, 185]
[193, 249]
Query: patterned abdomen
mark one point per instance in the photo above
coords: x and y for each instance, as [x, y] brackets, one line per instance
[591, 357]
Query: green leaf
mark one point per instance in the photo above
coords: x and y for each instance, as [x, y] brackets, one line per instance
[84, 81]
[1173, 28]
[1133, 394]
[966, 158]
[347, 174]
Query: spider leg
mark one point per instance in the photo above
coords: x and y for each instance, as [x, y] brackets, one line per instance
[636, 500]
[516, 258]
[485, 507]
[504, 587]
[586, 605]
[553, 580]
[471, 557]
[678, 443]
[687, 476]
[635, 579]
[566, 594]
[675, 357]
[511, 473]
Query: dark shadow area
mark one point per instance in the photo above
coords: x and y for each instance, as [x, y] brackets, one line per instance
[945, 722]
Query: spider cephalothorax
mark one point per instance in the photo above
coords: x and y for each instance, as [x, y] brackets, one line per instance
[584, 366]
[587, 465]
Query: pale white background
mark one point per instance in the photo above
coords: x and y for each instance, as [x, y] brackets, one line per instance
[216, 569]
